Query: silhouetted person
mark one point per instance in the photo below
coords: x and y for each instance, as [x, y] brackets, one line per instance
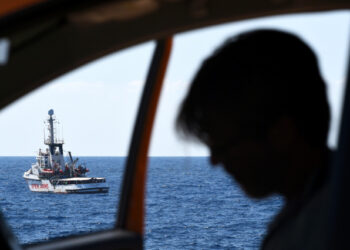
[259, 104]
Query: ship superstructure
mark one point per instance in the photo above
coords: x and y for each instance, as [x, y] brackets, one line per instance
[51, 173]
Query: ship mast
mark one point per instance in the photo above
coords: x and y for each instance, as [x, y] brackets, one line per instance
[51, 141]
[51, 119]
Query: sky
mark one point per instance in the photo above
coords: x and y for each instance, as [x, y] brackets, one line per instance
[97, 103]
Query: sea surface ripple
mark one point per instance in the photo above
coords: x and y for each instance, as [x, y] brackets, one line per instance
[189, 205]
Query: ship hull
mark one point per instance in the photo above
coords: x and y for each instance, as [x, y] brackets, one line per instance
[65, 186]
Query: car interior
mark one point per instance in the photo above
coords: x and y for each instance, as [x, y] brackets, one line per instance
[42, 40]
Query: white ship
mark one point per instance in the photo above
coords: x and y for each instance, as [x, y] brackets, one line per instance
[50, 173]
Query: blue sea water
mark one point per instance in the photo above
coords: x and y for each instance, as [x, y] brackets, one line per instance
[189, 205]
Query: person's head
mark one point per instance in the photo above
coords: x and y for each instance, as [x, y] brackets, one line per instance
[255, 102]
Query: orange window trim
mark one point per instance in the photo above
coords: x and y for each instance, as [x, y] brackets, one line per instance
[8, 7]
[135, 220]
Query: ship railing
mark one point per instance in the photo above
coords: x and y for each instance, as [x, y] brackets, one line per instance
[48, 141]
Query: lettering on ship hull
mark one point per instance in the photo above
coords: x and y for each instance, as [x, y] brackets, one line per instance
[40, 186]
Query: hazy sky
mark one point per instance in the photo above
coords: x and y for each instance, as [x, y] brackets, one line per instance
[97, 103]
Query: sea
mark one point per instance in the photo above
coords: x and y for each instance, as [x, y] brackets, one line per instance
[189, 205]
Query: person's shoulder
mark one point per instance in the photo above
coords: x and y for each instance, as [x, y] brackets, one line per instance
[304, 229]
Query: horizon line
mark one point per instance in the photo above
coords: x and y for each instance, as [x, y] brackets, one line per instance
[111, 156]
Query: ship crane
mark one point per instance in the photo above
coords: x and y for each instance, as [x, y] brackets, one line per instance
[72, 165]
